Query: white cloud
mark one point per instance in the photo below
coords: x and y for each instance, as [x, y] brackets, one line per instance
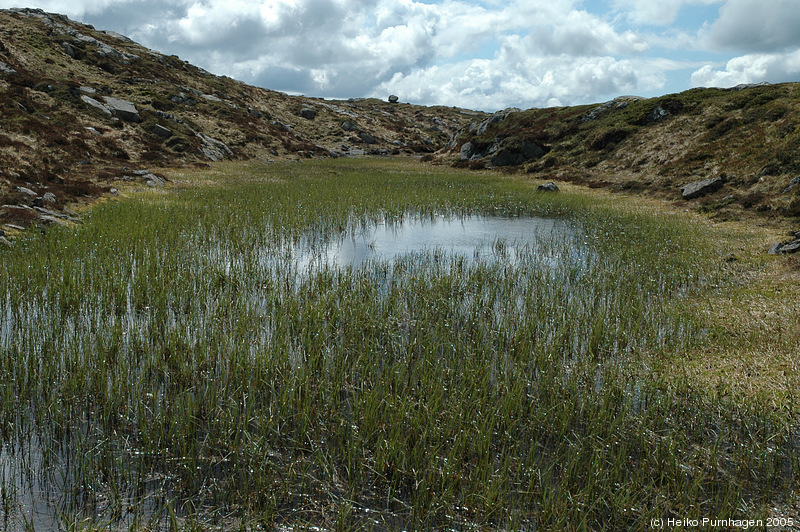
[755, 25]
[751, 68]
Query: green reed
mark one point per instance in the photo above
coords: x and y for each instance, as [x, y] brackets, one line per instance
[166, 362]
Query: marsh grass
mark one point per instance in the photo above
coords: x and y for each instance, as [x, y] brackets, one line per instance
[167, 365]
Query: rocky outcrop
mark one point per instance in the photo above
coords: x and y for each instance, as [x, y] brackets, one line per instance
[213, 149]
[701, 188]
[116, 107]
[513, 152]
[784, 248]
[393, 99]
[308, 113]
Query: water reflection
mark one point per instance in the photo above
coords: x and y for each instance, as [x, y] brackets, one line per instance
[471, 237]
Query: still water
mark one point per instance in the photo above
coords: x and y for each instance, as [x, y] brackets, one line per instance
[488, 238]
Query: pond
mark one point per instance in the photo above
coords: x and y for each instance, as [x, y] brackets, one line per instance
[473, 238]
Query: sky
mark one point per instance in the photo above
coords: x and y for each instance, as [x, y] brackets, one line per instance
[475, 54]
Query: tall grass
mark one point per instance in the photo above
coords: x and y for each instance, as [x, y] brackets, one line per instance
[166, 364]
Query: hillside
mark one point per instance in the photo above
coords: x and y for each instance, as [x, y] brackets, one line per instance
[82, 108]
[744, 143]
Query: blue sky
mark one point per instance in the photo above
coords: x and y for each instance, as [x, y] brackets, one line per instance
[484, 55]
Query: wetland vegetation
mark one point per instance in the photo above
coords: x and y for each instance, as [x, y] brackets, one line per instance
[169, 365]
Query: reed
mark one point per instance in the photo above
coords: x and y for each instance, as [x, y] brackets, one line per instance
[168, 364]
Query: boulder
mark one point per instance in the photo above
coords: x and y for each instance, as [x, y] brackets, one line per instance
[701, 188]
[49, 197]
[547, 187]
[348, 126]
[308, 113]
[162, 131]
[393, 99]
[70, 51]
[91, 102]
[213, 149]
[122, 109]
[27, 192]
[367, 138]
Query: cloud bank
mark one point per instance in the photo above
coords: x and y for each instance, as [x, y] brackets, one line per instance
[477, 54]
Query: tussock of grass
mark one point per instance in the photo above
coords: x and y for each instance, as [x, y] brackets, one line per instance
[168, 363]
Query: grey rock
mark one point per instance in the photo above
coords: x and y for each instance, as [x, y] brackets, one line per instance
[26, 191]
[91, 102]
[657, 114]
[123, 109]
[49, 197]
[68, 49]
[794, 183]
[308, 113]
[393, 99]
[213, 149]
[701, 188]
[5, 242]
[467, 151]
[496, 118]
[162, 131]
[784, 248]
[367, 138]
[87, 90]
[472, 152]
[7, 70]
[547, 187]
[348, 126]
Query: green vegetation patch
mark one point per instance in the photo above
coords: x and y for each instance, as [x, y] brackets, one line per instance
[170, 361]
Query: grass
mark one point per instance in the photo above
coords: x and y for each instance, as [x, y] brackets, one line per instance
[165, 364]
